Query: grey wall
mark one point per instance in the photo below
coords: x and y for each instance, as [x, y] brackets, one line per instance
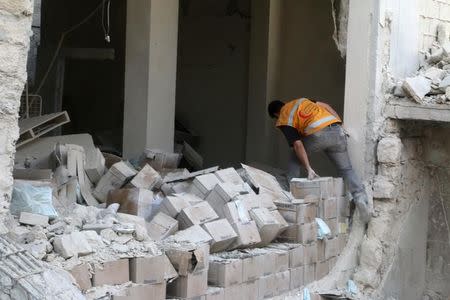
[212, 76]
[310, 64]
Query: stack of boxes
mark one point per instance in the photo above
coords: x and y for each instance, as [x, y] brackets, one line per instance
[257, 273]
[322, 198]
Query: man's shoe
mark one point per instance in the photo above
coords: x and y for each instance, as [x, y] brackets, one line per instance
[362, 204]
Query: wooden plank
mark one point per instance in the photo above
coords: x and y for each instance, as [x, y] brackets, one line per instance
[32, 128]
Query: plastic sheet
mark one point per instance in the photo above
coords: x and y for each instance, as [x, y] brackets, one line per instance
[322, 229]
[33, 199]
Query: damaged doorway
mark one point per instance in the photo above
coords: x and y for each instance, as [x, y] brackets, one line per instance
[212, 77]
[87, 77]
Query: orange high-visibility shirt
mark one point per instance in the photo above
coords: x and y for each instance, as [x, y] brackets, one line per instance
[305, 116]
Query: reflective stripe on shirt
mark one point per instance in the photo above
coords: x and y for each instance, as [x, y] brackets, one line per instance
[317, 123]
[294, 111]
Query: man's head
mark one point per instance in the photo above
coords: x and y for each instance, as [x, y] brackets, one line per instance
[274, 108]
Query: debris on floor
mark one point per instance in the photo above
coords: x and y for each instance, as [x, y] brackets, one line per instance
[126, 230]
[431, 83]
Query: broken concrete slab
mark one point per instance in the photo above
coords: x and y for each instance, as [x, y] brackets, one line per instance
[73, 244]
[33, 219]
[417, 87]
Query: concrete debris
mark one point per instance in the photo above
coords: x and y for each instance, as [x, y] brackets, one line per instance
[430, 83]
[156, 227]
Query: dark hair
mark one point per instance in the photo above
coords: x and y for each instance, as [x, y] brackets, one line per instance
[274, 107]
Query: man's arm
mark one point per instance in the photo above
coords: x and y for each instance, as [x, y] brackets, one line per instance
[294, 140]
[303, 157]
[329, 109]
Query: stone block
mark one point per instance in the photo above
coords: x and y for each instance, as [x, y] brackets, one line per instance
[33, 219]
[389, 150]
[417, 87]
[383, 188]
[73, 244]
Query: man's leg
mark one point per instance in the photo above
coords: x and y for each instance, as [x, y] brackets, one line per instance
[338, 154]
[293, 166]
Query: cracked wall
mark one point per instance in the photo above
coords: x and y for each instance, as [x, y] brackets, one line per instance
[15, 31]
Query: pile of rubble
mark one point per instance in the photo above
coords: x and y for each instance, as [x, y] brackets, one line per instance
[431, 84]
[150, 230]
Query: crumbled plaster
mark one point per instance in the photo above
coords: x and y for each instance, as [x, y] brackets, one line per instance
[339, 11]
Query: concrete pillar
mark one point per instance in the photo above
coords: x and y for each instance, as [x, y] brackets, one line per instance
[360, 83]
[263, 74]
[150, 75]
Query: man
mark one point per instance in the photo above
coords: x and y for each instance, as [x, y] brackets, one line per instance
[314, 126]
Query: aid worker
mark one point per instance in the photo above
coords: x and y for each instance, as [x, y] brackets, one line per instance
[311, 126]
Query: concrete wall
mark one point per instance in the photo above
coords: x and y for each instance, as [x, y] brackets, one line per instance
[150, 76]
[302, 61]
[212, 77]
[15, 30]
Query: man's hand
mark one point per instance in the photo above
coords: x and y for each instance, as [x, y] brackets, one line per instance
[312, 174]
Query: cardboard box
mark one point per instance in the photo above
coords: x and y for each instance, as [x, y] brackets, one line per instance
[248, 235]
[162, 226]
[221, 194]
[343, 206]
[322, 187]
[134, 201]
[172, 205]
[82, 275]
[246, 290]
[322, 269]
[196, 215]
[311, 255]
[215, 293]
[222, 233]
[267, 286]
[332, 262]
[283, 224]
[111, 273]
[252, 201]
[320, 250]
[310, 273]
[188, 259]
[252, 266]
[189, 286]
[268, 225]
[143, 291]
[234, 212]
[331, 248]
[194, 234]
[281, 259]
[329, 208]
[333, 224]
[229, 175]
[297, 275]
[148, 270]
[147, 178]
[115, 178]
[224, 272]
[299, 213]
[342, 241]
[304, 233]
[339, 187]
[296, 253]
[203, 184]
[274, 284]
[160, 160]
[95, 165]
[169, 271]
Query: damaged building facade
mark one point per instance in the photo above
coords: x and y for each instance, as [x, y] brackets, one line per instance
[213, 68]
